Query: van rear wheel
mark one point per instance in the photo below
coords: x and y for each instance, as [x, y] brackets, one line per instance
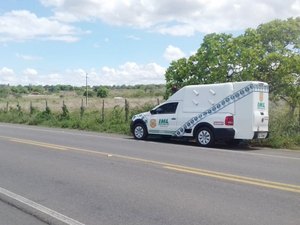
[205, 137]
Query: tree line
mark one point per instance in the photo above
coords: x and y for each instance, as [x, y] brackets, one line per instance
[99, 91]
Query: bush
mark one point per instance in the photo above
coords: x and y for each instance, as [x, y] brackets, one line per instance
[90, 93]
[102, 92]
[284, 130]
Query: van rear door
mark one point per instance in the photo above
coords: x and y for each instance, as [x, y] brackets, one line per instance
[261, 111]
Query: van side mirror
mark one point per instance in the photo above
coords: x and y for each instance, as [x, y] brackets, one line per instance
[152, 111]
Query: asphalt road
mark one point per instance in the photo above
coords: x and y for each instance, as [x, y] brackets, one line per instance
[108, 179]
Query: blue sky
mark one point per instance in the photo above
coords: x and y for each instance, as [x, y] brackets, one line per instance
[118, 41]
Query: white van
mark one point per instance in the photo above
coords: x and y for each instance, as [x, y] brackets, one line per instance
[228, 111]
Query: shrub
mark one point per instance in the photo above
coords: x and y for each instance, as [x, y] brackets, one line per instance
[284, 130]
[90, 93]
[102, 92]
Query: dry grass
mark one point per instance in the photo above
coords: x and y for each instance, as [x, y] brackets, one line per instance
[73, 103]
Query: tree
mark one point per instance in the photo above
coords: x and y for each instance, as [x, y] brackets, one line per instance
[4, 91]
[19, 90]
[102, 92]
[270, 53]
[90, 93]
[281, 65]
[177, 74]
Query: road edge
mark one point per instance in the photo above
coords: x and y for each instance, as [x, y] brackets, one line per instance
[43, 213]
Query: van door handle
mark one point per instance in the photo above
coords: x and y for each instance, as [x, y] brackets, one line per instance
[173, 118]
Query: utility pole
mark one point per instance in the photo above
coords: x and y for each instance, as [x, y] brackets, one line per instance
[86, 89]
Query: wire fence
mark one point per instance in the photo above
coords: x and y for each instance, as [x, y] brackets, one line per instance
[64, 106]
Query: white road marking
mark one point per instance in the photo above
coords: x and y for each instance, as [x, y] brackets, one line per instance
[75, 132]
[43, 213]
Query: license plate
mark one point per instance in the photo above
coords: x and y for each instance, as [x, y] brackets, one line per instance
[262, 135]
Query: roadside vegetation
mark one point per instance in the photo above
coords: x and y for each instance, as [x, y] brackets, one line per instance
[270, 53]
[107, 109]
[67, 109]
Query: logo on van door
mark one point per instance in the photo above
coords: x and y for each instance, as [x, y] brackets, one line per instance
[153, 123]
[261, 96]
[163, 122]
[261, 105]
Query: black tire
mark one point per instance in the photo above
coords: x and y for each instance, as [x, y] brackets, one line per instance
[140, 131]
[205, 137]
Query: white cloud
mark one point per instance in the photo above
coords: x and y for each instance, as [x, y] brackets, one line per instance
[129, 73]
[30, 76]
[296, 6]
[30, 72]
[171, 17]
[177, 30]
[23, 25]
[7, 76]
[56, 3]
[6, 71]
[173, 53]
[132, 37]
[28, 57]
[177, 17]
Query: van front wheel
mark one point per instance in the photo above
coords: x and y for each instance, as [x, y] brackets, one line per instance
[140, 131]
[205, 137]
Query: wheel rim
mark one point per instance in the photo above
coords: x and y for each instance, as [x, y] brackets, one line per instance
[139, 132]
[204, 137]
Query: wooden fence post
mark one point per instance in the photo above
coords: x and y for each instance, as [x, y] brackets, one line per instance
[30, 108]
[81, 109]
[126, 109]
[18, 106]
[102, 111]
[47, 110]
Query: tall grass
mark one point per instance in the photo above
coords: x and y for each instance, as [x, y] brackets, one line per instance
[284, 129]
[114, 121]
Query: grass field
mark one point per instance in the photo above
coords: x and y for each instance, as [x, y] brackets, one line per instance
[73, 102]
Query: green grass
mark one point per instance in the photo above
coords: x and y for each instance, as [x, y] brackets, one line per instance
[284, 130]
[114, 120]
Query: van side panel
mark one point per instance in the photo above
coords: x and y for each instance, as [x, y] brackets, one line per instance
[200, 98]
